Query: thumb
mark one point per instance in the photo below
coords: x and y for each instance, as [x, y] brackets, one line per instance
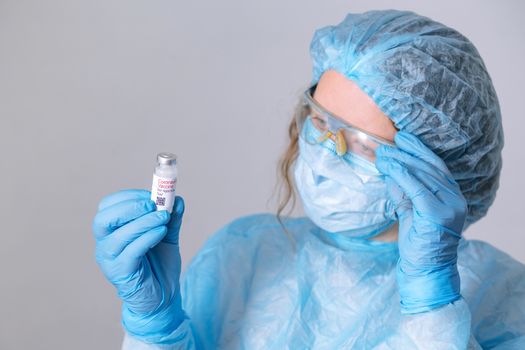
[402, 204]
[172, 236]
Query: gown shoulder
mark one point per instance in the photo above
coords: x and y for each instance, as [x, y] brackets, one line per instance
[493, 285]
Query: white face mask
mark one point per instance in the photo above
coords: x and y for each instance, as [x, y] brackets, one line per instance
[343, 194]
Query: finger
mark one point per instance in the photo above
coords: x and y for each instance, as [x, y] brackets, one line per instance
[139, 247]
[415, 190]
[412, 145]
[111, 218]
[175, 222]
[442, 205]
[423, 168]
[112, 245]
[121, 196]
[402, 204]
[441, 185]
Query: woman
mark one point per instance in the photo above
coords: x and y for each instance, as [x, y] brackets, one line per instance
[395, 150]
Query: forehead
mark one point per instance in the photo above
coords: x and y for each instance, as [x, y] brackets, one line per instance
[344, 98]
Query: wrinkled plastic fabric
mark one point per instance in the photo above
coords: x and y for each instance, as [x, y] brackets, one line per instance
[248, 289]
[431, 82]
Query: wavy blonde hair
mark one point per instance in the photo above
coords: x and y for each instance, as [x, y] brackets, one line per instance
[285, 183]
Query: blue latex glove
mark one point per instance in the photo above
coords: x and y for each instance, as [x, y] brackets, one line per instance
[137, 249]
[430, 222]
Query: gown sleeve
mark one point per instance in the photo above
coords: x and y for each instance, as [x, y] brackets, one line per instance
[447, 327]
[493, 284]
[211, 287]
[489, 315]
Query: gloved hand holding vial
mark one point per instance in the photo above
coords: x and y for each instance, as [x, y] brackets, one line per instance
[138, 251]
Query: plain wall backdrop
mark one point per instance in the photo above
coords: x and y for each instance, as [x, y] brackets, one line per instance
[91, 91]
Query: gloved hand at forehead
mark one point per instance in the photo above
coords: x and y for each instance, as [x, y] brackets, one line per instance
[430, 222]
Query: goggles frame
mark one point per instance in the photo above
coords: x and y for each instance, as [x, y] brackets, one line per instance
[311, 102]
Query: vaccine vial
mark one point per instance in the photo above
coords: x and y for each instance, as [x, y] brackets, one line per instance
[164, 181]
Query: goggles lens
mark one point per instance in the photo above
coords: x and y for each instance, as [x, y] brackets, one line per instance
[324, 126]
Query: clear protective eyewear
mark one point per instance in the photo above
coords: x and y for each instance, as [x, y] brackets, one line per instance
[347, 138]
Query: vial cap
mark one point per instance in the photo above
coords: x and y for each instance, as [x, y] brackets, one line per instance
[166, 158]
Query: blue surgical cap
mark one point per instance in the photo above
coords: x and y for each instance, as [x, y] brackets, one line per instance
[430, 81]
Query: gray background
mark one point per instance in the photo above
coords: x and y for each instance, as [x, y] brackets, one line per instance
[90, 91]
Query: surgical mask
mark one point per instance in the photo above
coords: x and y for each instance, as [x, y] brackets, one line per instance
[341, 193]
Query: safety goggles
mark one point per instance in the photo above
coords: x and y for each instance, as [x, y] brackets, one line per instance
[347, 138]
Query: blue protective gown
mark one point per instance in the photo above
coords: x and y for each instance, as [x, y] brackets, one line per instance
[248, 289]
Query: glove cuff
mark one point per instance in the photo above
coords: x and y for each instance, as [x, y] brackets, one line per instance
[422, 291]
[153, 328]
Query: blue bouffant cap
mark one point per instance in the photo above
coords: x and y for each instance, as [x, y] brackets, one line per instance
[430, 81]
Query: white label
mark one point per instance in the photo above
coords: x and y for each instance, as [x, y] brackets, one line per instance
[163, 192]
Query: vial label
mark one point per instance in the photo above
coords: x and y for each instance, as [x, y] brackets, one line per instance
[163, 192]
